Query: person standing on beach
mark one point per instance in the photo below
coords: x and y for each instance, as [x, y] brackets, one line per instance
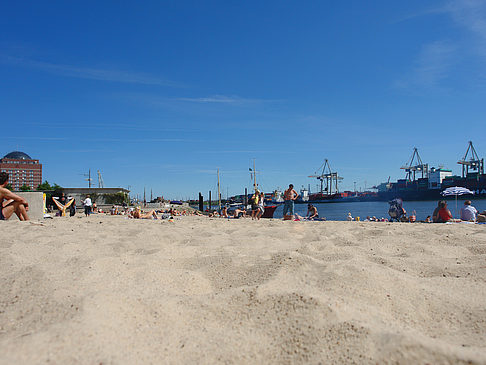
[72, 208]
[254, 204]
[261, 206]
[13, 202]
[289, 197]
[87, 205]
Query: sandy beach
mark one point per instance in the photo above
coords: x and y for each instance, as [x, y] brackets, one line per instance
[107, 290]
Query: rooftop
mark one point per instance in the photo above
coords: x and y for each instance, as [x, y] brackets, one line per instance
[18, 155]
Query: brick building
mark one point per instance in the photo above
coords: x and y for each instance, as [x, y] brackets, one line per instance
[22, 170]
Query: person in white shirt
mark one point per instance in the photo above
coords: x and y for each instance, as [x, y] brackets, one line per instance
[87, 205]
[468, 212]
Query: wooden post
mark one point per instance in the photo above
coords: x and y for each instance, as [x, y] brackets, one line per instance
[201, 202]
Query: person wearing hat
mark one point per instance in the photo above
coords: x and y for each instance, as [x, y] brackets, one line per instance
[312, 212]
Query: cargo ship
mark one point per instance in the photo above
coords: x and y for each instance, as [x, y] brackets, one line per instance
[424, 183]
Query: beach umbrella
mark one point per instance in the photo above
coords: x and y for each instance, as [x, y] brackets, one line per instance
[456, 190]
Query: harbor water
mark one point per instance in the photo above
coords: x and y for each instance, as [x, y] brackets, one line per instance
[339, 211]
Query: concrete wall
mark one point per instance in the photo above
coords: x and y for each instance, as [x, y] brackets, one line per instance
[36, 204]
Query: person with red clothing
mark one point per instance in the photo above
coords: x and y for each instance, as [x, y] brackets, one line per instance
[444, 214]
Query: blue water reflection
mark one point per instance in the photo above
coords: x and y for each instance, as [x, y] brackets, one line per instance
[339, 211]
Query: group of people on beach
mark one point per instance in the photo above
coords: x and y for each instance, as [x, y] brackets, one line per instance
[467, 214]
[11, 203]
[257, 208]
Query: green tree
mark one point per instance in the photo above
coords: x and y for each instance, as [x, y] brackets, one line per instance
[9, 187]
[45, 186]
[116, 198]
[25, 188]
[50, 190]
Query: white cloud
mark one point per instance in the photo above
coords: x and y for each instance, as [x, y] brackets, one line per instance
[221, 99]
[432, 66]
[89, 73]
[471, 14]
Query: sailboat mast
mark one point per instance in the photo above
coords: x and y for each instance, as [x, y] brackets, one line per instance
[254, 176]
[219, 193]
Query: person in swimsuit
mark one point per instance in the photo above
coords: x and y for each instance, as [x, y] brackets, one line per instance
[312, 212]
[444, 214]
[137, 214]
[289, 196]
[11, 203]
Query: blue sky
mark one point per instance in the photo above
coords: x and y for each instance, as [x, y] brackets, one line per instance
[160, 94]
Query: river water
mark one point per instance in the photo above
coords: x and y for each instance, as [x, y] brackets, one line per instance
[339, 211]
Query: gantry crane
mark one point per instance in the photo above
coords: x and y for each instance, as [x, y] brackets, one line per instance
[331, 178]
[474, 164]
[419, 166]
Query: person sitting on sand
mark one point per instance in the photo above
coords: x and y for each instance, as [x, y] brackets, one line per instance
[435, 214]
[238, 213]
[312, 212]
[350, 217]
[481, 217]
[13, 203]
[224, 212]
[468, 212]
[444, 214]
[137, 214]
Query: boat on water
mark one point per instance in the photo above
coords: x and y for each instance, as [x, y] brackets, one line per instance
[424, 183]
[270, 206]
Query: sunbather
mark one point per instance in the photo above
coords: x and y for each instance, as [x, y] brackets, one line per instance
[137, 214]
[13, 203]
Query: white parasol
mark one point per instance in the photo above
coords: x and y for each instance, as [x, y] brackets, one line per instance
[456, 190]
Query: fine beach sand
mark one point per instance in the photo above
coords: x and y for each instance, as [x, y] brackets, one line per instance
[107, 290]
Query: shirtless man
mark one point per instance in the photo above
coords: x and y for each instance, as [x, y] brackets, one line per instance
[289, 196]
[312, 212]
[13, 203]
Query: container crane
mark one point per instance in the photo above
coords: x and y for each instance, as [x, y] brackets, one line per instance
[411, 169]
[474, 164]
[329, 177]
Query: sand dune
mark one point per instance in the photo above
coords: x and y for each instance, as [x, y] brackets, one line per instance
[115, 291]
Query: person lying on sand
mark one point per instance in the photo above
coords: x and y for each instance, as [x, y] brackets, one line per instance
[13, 203]
[137, 214]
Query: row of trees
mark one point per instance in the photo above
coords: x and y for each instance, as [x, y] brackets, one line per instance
[55, 190]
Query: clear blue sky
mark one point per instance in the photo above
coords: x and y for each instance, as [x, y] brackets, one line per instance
[159, 94]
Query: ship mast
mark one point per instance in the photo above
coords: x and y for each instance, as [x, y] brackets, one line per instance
[219, 193]
[474, 163]
[101, 183]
